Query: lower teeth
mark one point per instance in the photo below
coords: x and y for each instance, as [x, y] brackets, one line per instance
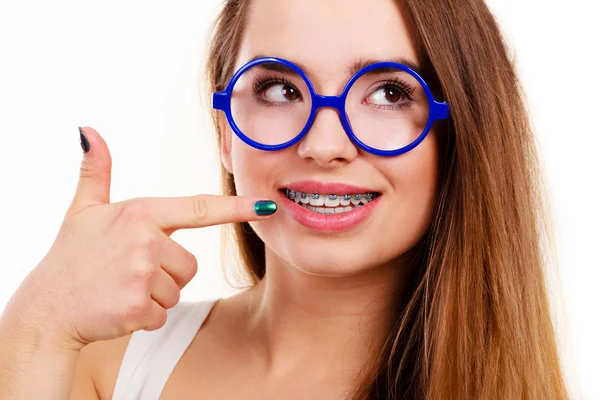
[330, 210]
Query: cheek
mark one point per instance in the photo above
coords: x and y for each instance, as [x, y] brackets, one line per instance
[417, 177]
[252, 169]
[414, 179]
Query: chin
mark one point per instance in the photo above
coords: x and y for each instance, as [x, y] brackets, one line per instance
[331, 262]
[328, 270]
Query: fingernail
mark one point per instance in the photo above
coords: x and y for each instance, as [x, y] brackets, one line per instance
[85, 145]
[265, 207]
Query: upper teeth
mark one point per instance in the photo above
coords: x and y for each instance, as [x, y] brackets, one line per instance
[329, 200]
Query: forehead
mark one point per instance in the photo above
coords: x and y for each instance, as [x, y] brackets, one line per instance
[327, 36]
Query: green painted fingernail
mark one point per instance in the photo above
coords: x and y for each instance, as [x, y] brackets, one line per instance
[265, 207]
[85, 145]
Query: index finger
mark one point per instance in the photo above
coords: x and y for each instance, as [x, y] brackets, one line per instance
[173, 213]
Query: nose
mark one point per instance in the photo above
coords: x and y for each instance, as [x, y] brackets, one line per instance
[326, 141]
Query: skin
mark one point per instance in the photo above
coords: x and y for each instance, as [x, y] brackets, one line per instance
[305, 330]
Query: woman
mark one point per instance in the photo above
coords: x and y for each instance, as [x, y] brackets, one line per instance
[425, 282]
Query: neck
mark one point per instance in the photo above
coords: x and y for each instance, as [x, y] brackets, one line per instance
[322, 324]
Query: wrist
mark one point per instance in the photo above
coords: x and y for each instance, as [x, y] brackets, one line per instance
[33, 363]
[35, 325]
[32, 338]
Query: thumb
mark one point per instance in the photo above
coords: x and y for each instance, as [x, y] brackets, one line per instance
[94, 175]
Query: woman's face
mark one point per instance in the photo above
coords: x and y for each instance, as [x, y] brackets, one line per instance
[327, 38]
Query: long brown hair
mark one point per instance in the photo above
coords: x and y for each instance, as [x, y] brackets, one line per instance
[477, 324]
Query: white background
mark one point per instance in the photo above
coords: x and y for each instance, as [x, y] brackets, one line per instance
[130, 70]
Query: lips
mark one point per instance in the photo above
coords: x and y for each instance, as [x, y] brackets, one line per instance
[333, 223]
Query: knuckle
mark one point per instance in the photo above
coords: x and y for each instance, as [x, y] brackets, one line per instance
[145, 271]
[147, 241]
[138, 309]
[86, 169]
[191, 266]
[132, 211]
[174, 298]
[156, 321]
[199, 209]
[160, 321]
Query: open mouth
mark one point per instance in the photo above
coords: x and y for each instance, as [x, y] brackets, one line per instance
[330, 203]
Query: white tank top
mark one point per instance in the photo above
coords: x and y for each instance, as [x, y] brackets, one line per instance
[151, 356]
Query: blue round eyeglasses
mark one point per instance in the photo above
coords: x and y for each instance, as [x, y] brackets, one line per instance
[386, 108]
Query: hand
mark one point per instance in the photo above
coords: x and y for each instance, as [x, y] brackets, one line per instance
[113, 268]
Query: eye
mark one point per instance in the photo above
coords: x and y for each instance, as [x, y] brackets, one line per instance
[276, 91]
[392, 94]
[386, 95]
[281, 93]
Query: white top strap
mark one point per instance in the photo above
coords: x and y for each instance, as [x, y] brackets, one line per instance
[151, 356]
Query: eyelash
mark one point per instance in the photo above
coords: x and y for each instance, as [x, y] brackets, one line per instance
[406, 90]
[262, 84]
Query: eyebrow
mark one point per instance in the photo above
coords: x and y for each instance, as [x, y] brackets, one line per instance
[277, 67]
[365, 62]
[351, 70]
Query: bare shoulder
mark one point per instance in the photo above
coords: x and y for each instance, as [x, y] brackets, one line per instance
[97, 369]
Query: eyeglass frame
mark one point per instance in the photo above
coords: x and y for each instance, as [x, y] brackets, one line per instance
[222, 101]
